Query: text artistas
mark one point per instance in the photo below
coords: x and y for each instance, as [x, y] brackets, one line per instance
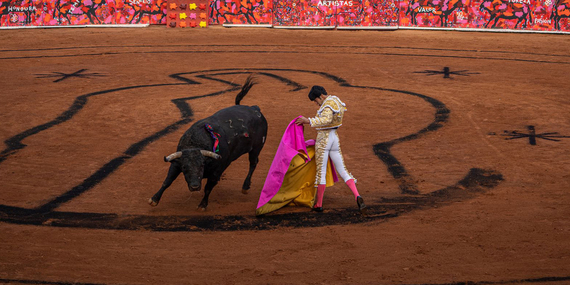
[335, 3]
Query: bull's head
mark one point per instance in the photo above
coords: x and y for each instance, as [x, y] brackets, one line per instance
[191, 163]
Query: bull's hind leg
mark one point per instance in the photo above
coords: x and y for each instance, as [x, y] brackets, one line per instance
[173, 172]
[207, 190]
[253, 160]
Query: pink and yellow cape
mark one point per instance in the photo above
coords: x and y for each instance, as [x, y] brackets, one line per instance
[291, 177]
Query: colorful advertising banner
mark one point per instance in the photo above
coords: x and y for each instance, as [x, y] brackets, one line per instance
[497, 15]
[236, 12]
[305, 13]
[368, 13]
[80, 12]
[529, 15]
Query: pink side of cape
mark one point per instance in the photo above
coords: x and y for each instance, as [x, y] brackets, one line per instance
[292, 142]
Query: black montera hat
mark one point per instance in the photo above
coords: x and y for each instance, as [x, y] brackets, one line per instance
[316, 91]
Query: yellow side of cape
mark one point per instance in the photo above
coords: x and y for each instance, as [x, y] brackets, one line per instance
[298, 187]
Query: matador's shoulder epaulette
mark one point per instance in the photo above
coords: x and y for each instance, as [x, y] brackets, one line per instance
[333, 103]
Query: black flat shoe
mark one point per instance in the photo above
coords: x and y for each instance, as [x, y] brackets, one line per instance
[317, 209]
[361, 207]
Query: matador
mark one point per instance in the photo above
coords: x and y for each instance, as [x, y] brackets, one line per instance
[326, 122]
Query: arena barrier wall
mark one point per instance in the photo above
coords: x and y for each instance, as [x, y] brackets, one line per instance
[485, 15]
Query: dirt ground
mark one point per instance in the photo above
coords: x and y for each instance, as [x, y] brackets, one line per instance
[466, 174]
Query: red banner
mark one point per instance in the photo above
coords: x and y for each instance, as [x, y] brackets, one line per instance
[371, 13]
[249, 12]
[529, 15]
[80, 12]
[304, 13]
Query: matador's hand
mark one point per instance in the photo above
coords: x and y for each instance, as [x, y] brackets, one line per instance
[302, 120]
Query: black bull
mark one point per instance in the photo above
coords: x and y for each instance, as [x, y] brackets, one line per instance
[238, 129]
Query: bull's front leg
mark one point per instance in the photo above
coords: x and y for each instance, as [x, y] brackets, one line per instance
[173, 172]
[212, 181]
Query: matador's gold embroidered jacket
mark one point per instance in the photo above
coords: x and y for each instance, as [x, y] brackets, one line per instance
[329, 116]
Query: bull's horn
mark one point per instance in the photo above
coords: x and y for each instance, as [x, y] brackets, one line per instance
[210, 154]
[173, 156]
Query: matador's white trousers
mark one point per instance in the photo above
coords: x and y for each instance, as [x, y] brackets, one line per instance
[332, 150]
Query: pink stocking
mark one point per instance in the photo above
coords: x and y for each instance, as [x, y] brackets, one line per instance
[352, 187]
[320, 194]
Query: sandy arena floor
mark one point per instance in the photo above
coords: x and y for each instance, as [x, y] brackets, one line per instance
[467, 177]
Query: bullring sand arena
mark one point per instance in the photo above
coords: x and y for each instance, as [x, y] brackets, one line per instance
[460, 142]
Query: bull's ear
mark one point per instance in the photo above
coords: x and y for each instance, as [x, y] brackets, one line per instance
[170, 157]
[210, 154]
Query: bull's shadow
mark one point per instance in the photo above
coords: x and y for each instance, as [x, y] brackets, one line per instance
[475, 182]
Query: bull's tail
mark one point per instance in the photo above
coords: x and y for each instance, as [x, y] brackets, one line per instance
[245, 88]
